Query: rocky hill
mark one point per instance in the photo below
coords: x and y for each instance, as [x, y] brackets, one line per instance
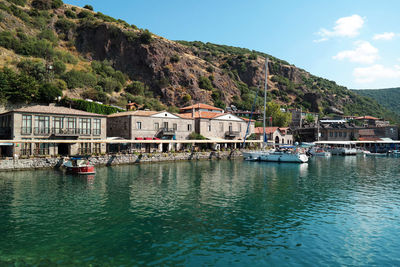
[48, 48]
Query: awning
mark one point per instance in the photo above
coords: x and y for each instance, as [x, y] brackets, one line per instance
[6, 144]
[156, 138]
[138, 138]
[148, 138]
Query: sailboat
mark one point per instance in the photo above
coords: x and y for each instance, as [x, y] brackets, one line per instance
[273, 155]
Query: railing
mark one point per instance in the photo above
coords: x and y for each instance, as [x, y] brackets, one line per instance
[86, 150]
[26, 130]
[26, 152]
[42, 151]
[84, 131]
[69, 131]
[232, 133]
[96, 132]
[167, 131]
[41, 131]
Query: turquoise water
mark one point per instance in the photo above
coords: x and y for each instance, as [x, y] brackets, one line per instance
[338, 211]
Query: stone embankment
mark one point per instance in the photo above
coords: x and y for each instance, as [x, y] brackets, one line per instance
[110, 160]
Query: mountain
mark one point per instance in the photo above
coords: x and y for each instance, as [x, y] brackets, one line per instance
[48, 48]
[388, 98]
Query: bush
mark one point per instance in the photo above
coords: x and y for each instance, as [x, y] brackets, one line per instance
[59, 67]
[136, 88]
[106, 18]
[18, 2]
[35, 69]
[196, 136]
[187, 98]
[65, 57]
[88, 7]
[205, 83]
[42, 4]
[70, 14]
[57, 3]
[85, 14]
[48, 34]
[79, 79]
[90, 106]
[110, 85]
[48, 93]
[64, 26]
[174, 59]
[20, 13]
[146, 37]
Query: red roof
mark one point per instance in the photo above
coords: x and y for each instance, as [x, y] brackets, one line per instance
[200, 106]
[200, 114]
[246, 119]
[268, 130]
[366, 118]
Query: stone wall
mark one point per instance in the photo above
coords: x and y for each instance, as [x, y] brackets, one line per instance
[110, 160]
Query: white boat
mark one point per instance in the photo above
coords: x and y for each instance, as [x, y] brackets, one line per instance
[319, 152]
[284, 156]
[252, 155]
[376, 154]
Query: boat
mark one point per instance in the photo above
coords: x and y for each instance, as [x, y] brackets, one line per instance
[293, 155]
[375, 154]
[319, 152]
[79, 165]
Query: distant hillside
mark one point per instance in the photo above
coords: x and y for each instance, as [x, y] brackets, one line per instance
[389, 98]
[48, 49]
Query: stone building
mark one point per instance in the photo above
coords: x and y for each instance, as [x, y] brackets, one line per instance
[276, 135]
[214, 124]
[51, 123]
[149, 125]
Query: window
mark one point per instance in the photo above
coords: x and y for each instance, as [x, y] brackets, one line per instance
[42, 125]
[42, 149]
[85, 126]
[165, 125]
[221, 127]
[335, 134]
[139, 125]
[85, 148]
[58, 124]
[26, 149]
[96, 148]
[209, 127]
[189, 127]
[340, 134]
[344, 134]
[175, 126]
[156, 126]
[96, 126]
[26, 124]
[230, 127]
[240, 127]
[71, 125]
[331, 134]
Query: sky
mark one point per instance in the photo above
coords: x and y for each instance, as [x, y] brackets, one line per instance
[352, 42]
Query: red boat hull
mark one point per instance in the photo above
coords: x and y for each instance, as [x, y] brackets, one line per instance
[82, 170]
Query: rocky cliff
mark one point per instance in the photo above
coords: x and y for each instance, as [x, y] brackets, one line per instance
[111, 61]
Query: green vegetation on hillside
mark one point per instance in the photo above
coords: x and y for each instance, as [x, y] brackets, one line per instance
[389, 98]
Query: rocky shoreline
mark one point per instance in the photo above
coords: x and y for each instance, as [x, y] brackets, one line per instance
[111, 160]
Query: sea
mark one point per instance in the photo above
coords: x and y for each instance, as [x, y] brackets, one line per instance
[328, 212]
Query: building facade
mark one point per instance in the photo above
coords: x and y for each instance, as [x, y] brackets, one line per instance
[214, 124]
[52, 123]
[276, 135]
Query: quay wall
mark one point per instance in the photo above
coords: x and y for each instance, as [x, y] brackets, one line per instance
[111, 160]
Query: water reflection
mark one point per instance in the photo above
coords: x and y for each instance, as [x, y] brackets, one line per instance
[206, 212]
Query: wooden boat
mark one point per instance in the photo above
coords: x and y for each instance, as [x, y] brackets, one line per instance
[79, 165]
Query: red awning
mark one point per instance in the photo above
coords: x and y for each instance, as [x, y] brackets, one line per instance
[148, 138]
[156, 138]
[138, 138]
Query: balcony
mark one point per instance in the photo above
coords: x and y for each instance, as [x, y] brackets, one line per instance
[5, 132]
[232, 134]
[41, 131]
[65, 132]
[167, 132]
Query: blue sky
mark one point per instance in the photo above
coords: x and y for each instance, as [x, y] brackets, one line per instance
[355, 43]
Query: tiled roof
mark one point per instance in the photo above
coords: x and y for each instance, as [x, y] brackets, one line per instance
[201, 106]
[56, 110]
[143, 113]
[200, 114]
[268, 130]
[366, 118]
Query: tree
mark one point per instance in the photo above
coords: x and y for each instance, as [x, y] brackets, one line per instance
[88, 7]
[279, 118]
[309, 118]
[49, 92]
[136, 88]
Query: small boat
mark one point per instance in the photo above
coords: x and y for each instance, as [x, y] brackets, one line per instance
[375, 154]
[284, 156]
[319, 152]
[79, 165]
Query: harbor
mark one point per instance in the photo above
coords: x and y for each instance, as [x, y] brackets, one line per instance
[205, 213]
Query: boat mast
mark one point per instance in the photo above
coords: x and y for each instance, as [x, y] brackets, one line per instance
[265, 99]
